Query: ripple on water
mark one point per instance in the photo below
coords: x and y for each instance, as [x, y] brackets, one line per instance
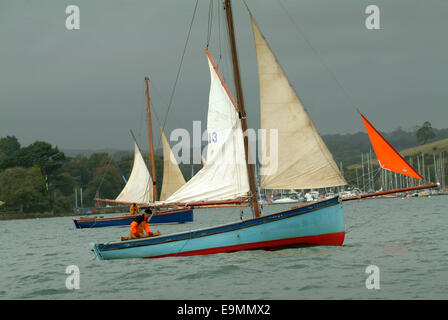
[44, 293]
[405, 239]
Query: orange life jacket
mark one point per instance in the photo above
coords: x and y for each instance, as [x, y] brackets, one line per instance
[138, 228]
[133, 209]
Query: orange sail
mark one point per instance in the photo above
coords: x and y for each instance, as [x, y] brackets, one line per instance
[386, 154]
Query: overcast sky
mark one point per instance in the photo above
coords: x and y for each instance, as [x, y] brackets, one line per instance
[84, 89]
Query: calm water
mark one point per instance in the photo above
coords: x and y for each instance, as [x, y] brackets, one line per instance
[406, 239]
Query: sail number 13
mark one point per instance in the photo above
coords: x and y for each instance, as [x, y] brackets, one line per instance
[212, 137]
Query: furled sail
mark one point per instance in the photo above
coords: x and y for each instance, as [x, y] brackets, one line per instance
[299, 159]
[139, 188]
[173, 178]
[224, 174]
[387, 156]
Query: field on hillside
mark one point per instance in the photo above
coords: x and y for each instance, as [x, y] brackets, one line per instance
[436, 147]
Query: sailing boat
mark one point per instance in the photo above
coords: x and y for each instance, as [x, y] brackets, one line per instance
[389, 159]
[141, 189]
[228, 177]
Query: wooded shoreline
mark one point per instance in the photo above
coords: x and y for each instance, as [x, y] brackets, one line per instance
[38, 215]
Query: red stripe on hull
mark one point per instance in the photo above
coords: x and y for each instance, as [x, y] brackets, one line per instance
[330, 239]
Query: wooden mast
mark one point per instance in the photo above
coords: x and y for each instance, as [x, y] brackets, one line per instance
[240, 98]
[151, 145]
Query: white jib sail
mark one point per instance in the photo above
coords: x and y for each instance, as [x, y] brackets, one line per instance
[302, 160]
[173, 178]
[224, 175]
[139, 187]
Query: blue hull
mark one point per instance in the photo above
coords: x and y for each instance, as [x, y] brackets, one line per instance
[177, 216]
[320, 223]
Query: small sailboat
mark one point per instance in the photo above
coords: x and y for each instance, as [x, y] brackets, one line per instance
[389, 159]
[304, 162]
[141, 189]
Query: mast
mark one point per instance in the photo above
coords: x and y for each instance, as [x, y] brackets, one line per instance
[240, 98]
[357, 180]
[151, 145]
[435, 166]
[442, 170]
[363, 177]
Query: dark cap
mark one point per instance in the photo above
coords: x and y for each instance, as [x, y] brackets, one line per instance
[148, 211]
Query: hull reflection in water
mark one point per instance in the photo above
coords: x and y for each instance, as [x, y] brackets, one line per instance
[320, 223]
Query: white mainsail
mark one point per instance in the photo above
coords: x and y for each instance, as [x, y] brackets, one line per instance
[303, 160]
[139, 187]
[173, 178]
[224, 174]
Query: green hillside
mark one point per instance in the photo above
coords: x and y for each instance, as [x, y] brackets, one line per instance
[426, 159]
[428, 148]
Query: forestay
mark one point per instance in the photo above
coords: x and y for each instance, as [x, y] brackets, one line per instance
[302, 160]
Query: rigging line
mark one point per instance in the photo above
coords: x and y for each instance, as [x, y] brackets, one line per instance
[142, 119]
[210, 22]
[160, 126]
[375, 173]
[152, 107]
[227, 62]
[158, 121]
[352, 103]
[219, 36]
[155, 111]
[178, 71]
[105, 172]
[225, 58]
[160, 97]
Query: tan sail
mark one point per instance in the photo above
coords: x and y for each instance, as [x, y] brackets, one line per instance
[173, 178]
[302, 160]
[138, 189]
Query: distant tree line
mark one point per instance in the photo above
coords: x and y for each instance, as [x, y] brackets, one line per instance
[347, 148]
[41, 178]
[351, 149]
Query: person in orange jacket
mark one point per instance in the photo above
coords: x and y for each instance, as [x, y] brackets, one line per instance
[140, 227]
[133, 209]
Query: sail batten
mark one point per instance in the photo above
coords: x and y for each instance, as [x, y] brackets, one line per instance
[138, 189]
[301, 158]
[387, 156]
